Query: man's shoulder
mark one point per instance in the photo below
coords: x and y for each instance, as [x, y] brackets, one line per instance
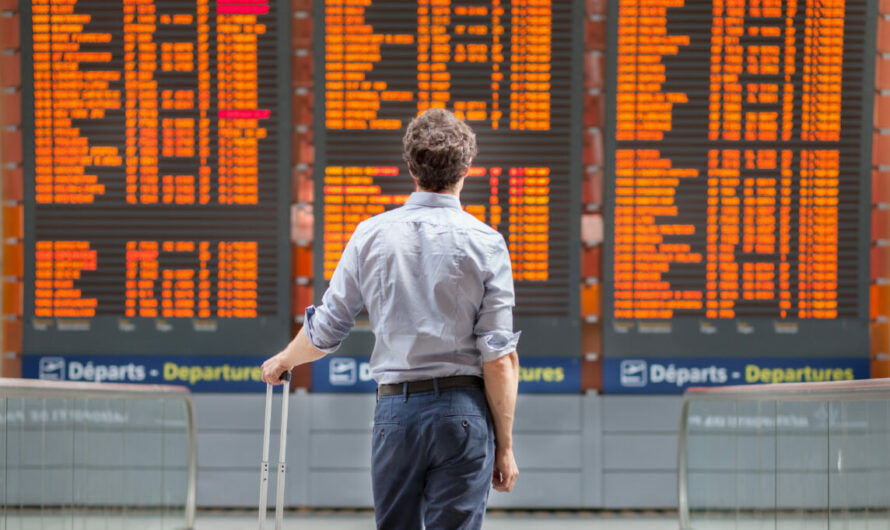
[459, 219]
[371, 227]
[470, 221]
[379, 220]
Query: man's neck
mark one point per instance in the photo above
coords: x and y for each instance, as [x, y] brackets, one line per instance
[452, 192]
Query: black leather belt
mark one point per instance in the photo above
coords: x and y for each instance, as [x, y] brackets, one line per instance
[427, 385]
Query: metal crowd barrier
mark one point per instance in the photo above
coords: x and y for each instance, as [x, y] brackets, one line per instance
[793, 455]
[96, 455]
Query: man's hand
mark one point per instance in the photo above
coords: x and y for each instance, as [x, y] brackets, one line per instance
[273, 368]
[299, 351]
[505, 470]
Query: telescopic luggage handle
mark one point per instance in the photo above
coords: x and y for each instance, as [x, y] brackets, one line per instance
[282, 448]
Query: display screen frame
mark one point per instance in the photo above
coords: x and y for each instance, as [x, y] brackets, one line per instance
[261, 336]
[541, 335]
[742, 336]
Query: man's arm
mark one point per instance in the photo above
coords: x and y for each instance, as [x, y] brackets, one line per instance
[299, 351]
[501, 386]
[324, 326]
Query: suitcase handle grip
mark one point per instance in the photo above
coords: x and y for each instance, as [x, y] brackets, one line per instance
[285, 376]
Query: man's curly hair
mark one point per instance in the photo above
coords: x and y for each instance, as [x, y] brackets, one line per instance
[438, 149]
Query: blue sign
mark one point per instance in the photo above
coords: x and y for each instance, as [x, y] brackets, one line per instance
[537, 375]
[198, 373]
[332, 373]
[674, 375]
[550, 375]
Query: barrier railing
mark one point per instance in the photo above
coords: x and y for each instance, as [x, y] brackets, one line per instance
[786, 455]
[97, 455]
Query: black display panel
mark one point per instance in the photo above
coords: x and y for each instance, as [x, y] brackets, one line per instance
[738, 178]
[156, 176]
[512, 70]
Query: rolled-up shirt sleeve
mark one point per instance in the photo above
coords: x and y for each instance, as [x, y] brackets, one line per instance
[328, 324]
[494, 321]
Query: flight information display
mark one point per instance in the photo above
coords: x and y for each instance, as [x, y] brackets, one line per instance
[157, 176]
[511, 70]
[739, 175]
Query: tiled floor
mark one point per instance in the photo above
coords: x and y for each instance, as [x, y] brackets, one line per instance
[498, 520]
[327, 521]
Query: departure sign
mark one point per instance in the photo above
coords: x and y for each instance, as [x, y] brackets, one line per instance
[510, 68]
[739, 153]
[156, 176]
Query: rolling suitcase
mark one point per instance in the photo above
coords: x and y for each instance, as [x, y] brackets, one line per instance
[282, 447]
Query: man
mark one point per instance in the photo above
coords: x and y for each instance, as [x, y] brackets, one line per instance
[438, 288]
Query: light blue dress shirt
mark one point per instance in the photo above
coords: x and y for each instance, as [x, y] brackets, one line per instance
[438, 287]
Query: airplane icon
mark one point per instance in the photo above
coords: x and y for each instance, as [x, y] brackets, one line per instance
[52, 368]
[633, 373]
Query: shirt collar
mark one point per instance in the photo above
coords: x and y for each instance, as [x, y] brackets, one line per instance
[435, 200]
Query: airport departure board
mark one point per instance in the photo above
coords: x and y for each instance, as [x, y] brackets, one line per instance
[512, 70]
[157, 176]
[737, 198]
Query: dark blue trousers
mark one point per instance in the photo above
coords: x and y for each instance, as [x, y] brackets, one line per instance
[432, 460]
